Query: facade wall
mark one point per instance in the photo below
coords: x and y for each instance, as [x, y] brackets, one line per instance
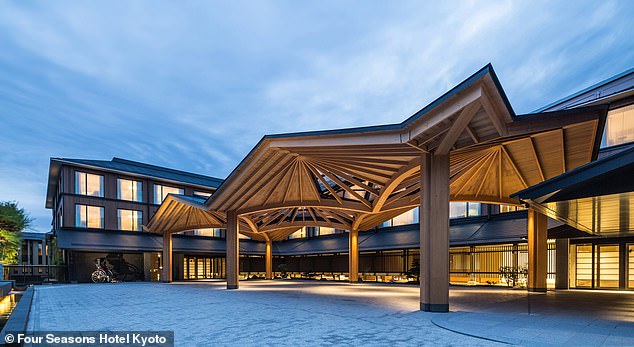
[67, 198]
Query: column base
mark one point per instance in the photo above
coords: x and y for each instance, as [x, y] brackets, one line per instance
[166, 281]
[232, 286]
[434, 307]
[537, 290]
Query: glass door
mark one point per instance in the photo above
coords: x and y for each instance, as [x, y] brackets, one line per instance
[630, 266]
[607, 264]
[584, 266]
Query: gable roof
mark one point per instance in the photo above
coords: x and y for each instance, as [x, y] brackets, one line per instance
[614, 85]
[129, 167]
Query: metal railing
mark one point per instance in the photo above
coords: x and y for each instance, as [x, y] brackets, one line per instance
[36, 274]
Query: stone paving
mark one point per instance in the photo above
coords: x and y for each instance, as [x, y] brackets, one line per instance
[299, 313]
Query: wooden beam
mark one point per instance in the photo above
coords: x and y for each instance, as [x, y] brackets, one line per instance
[472, 134]
[348, 205]
[517, 171]
[344, 186]
[353, 180]
[500, 171]
[563, 150]
[498, 124]
[537, 251]
[457, 128]
[326, 184]
[394, 181]
[440, 114]
[434, 233]
[536, 158]
[167, 257]
[481, 165]
[484, 179]
[353, 256]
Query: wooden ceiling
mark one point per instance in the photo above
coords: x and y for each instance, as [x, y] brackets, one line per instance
[358, 178]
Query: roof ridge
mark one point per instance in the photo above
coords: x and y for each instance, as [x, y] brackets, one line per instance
[585, 90]
[137, 163]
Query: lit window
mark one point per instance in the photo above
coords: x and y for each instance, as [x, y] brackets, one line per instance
[464, 209]
[298, 234]
[619, 126]
[473, 209]
[88, 184]
[129, 190]
[212, 232]
[88, 216]
[160, 192]
[129, 220]
[510, 208]
[409, 217]
[202, 194]
[326, 231]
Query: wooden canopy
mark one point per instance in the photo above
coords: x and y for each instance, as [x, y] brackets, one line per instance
[358, 178]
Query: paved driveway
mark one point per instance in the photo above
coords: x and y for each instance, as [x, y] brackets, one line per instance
[315, 313]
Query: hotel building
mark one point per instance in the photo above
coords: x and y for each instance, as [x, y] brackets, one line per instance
[293, 217]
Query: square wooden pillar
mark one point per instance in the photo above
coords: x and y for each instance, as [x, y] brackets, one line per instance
[562, 263]
[353, 256]
[167, 258]
[434, 233]
[233, 251]
[269, 259]
[537, 251]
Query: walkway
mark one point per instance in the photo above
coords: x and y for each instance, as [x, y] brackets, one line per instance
[318, 313]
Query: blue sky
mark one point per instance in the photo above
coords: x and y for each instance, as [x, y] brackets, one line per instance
[194, 85]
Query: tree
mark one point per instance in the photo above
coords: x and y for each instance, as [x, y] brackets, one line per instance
[13, 221]
[414, 271]
[513, 275]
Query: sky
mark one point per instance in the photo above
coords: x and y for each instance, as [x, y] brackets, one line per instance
[193, 85]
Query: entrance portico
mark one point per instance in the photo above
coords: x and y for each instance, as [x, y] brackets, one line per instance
[468, 145]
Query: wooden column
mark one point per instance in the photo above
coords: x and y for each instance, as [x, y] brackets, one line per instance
[537, 251]
[233, 250]
[561, 264]
[353, 256]
[167, 257]
[434, 233]
[269, 258]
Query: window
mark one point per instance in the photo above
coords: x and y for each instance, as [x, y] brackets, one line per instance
[630, 266]
[213, 232]
[464, 209]
[326, 231]
[129, 190]
[88, 184]
[510, 208]
[409, 217]
[202, 194]
[312, 231]
[129, 220]
[298, 234]
[89, 216]
[160, 192]
[619, 127]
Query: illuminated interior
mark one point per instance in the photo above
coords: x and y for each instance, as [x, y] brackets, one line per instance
[129, 220]
[129, 190]
[88, 216]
